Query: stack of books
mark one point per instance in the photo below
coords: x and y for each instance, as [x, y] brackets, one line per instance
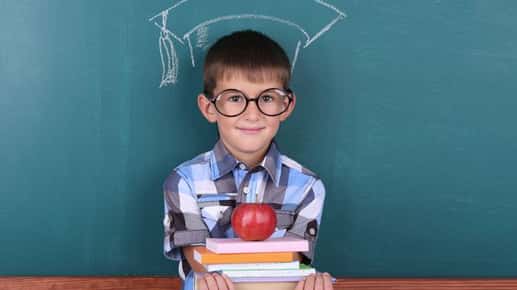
[250, 264]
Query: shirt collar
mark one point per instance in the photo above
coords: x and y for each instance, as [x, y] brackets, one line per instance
[222, 162]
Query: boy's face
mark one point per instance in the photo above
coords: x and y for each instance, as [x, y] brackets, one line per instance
[248, 135]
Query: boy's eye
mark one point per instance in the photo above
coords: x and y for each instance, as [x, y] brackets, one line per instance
[235, 98]
[266, 98]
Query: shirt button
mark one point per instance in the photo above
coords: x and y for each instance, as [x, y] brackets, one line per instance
[246, 189]
[242, 166]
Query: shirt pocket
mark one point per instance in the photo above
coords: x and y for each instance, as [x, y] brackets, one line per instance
[284, 218]
[216, 207]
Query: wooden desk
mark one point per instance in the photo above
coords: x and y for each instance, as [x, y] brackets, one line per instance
[170, 283]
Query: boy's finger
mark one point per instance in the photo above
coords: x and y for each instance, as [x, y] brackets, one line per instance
[309, 282]
[210, 281]
[221, 284]
[327, 281]
[300, 285]
[201, 283]
[318, 283]
[229, 282]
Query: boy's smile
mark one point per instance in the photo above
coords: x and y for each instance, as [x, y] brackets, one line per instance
[246, 136]
[251, 131]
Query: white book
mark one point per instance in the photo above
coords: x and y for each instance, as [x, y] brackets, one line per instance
[254, 266]
[302, 271]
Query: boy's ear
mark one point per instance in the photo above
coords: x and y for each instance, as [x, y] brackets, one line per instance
[207, 109]
[287, 113]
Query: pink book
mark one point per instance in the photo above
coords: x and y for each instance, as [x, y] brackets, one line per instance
[236, 245]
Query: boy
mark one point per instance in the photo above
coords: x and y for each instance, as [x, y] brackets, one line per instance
[246, 77]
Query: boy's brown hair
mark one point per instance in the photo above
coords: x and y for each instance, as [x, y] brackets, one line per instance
[249, 52]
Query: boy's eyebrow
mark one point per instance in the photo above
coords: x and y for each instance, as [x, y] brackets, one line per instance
[287, 90]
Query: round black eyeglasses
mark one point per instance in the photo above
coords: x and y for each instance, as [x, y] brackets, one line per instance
[270, 102]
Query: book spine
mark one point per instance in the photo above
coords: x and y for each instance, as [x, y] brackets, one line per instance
[293, 246]
[269, 273]
[254, 266]
[209, 258]
[266, 279]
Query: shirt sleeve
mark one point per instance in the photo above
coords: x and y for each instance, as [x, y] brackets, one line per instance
[182, 222]
[308, 217]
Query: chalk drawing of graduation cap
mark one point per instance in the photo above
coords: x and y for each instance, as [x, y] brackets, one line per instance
[187, 23]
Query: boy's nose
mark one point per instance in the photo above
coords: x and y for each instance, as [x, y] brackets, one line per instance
[252, 111]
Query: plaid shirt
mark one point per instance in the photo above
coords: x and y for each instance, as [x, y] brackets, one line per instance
[200, 194]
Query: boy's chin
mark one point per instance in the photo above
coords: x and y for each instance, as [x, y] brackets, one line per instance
[252, 145]
[251, 148]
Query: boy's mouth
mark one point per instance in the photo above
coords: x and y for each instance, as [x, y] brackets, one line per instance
[250, 130]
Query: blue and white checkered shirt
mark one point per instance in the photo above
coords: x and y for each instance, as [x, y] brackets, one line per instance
[200, 194]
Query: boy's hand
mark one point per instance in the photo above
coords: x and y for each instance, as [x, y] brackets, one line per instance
[213, 281]
[318, 281]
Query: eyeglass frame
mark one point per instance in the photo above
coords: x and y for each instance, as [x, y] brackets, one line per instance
[213, 100]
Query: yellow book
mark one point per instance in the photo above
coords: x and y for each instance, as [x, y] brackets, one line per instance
[205, 256]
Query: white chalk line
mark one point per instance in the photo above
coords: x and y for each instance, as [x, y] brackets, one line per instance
[322, 31]
[168, 9]
[323, 3]
[202, 36]
[170, 74]
[248, 16]
[295, 57]
[191, 52]
[169, 64]
[169, 32]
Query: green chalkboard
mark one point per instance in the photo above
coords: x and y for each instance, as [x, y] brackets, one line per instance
[406, 109]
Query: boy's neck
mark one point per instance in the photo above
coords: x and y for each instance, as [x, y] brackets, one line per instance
[251, 160]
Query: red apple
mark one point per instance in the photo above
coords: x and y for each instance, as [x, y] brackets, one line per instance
[254, 221]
